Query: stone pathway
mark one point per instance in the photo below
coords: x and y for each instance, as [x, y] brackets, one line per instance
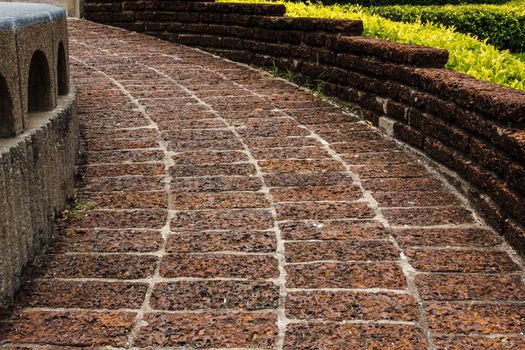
[227, 209]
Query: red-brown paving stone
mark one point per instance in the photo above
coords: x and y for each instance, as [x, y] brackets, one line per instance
[300, 166]
[378, 170]
[364, 146]
[120, 135]
[290, 153]
[340, 251]
[317, 193]
[259, 144]
[333, 230]
[105, 170]
[402, 184]
[219, 279]
[90, 295]
[429, 216]
[200, 134]
[377, 157]
[124, 183]
[308, 179]
[340, 306]
[231, 116]
[128, 267]
[323, 210]
[125, 200]
[334, 336]
[215, 295]
[192, 124]
[272, 131]
[221, 200]
[68, 328]
[341, 136]
[209, 330]
[107, 241]
[217, 184]
[347, 127]
[219, 266]
[435, 237]
[122, 218]
[216, 241]
[213, 170]
[256, 219]
[131, 156]
[416, 199]
[476, 343]
[461, 261]
[447, 318]
[345, 275]
[189, 145]
[303, 116]
[103, 144]
[448, 287]
[209, 157]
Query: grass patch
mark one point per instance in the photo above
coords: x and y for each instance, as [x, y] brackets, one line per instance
[520, 56]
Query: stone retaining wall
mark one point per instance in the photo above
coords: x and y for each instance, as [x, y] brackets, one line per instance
[38, 133]
[474, 128]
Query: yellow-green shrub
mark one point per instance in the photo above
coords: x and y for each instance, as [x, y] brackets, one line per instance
[466, 53]
[502, 25]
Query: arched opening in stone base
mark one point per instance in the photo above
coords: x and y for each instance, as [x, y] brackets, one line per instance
[62, 76]
[39, 84]
[6, 110]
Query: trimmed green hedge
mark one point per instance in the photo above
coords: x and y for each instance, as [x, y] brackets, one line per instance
[407, 2]
[466, 53]
[502, 26]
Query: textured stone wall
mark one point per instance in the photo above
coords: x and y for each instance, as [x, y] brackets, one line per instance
[472, 127]
[38, 134]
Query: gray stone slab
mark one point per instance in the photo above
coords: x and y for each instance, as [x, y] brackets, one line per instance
[14, 15]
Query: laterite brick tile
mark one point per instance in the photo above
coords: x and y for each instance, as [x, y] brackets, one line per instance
[316, 193]
[124, 156]
[340, 306]
[217, 184]
[334, 336]
[219, 200]
[89, 295]
[120, 266]
[346, 275]
[219, 208]
[290, 153]
[476, 318]
[475, 343]
[223, 219]
[332, 230]
[126, 200]
[209, 157]
[416, 199]
[461, 261]
[340, 251]
[209, 330]
[77, 329]
[112, 170]
[123, 183]
[216, 241]
[457, 237]
[219, 266]
[215, 295]
[107, 240]
[449, 287]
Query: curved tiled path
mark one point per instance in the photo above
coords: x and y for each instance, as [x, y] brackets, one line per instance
[233, 210]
